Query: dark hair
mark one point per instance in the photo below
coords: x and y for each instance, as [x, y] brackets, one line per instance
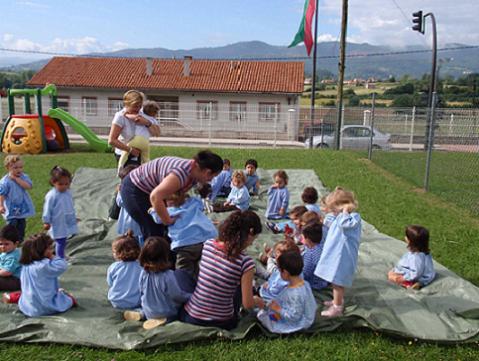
[235, 229]
[126, 247]
[313, 232]
[124, 171]
[292, 262]
[282, 174]
[309, 195]
[155, 255]
[34, 248]
[252, 162]
[58, 173]
[418, 237]
[206, 159]
[204, 190]
[10, 233]
[226, 161]
[298, 211]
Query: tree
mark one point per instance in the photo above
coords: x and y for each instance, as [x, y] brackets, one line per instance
[403, 101]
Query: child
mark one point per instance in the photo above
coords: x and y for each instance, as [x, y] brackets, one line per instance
[340, 252]
[252, 179]
[142, 134]
[125, 222]
[41, 295]
[190, 230]
[294, 308]
[415, 268]
[312, 236]
[10, 266]
[310, 198]
[238, 197]
[292, 226]
[221, 184]
[123, 275]
[15, 202]
[163, 291]
[59, 217]
[278, 196]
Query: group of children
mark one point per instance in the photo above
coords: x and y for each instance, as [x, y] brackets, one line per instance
[151, 279]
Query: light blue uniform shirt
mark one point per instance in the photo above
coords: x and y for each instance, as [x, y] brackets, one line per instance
[59, 212]
[416, 267]
[40, 291]
[219, 182]
[239, 197]
[298, 310]
[340, 252]
[251, 182]
[9, 261]
[191, 227]
[161, 295]
[18, 203]
[123, 280]
[125, 222]
[313, 208]
[277, 198]
[275, 285]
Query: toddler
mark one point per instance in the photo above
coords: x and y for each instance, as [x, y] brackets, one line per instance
[10, 266]
[312, 236]
[291, 227]
[278, 197]
[221, 184]
[59, 217]
[124, 274]
[41, 295]
[415, 268]
[163, 291]
[15, 202]
[252, 179]
[337, 264]
[238, 197]
[310, 198]
[294, 308]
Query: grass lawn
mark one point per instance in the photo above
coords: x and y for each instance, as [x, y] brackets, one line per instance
[386, 201]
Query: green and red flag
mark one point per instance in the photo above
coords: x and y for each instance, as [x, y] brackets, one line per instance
[304, 33]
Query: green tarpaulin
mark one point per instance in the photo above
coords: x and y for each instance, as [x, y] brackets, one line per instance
[445, 311]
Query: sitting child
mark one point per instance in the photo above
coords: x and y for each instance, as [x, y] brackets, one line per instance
[252, 179]
[41, 295]
[310, 198]
[278, 196]
[221, 184]
[190, 230]
[124, 274]
[238, 197]
[294, 308]
[415, 268]
[163, 291]
[10, 266]
[312, 240]
[292, 226]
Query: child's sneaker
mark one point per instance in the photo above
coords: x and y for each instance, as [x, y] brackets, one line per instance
[272, 227]
[12, 297]
[153, 322]
[328, 303]
[132, 316]
[333, 311]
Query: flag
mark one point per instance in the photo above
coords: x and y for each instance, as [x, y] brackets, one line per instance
[304, 33]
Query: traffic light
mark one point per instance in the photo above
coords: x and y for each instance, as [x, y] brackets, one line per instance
[418, 21]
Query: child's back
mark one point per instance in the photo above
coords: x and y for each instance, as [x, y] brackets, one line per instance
[125, 222]
[416, 267]
[221, 184]
[123, 281]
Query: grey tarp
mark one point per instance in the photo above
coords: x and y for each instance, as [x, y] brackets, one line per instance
[445, 311]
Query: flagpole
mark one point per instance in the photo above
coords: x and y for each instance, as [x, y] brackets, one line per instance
[342, 59]
[313, 87]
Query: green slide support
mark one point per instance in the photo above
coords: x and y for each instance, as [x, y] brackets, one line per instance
[96, 143]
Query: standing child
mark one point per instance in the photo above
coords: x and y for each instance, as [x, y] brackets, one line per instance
[313, 247]
[252, 179]
[221, 184]
[415, 268]
[41, 295]
[15, 202]
[10, 266]
[238, 197]
[310, 198]
[123, 275]
[340, 253]
[59, 217]
[294, 308]
[278, 196]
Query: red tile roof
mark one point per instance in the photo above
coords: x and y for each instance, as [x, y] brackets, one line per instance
[206, 75]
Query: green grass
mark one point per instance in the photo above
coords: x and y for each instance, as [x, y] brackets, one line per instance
[386, 201]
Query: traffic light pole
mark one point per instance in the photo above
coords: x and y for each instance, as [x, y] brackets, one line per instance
[432, 86]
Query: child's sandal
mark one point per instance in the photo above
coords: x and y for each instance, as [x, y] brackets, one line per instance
[153, 322]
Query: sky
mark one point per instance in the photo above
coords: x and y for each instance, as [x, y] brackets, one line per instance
[83, 26]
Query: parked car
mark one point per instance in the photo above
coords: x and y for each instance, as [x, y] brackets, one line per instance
[353, 137]
[325, 128]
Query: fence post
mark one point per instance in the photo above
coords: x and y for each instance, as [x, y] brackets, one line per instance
[1, 109]
[405, 123]
[370, 150]
[450, 124]
[413, 119]
[430, 140]
[275, 124]
[210, 106]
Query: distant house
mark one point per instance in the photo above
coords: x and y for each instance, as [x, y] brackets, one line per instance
[192, 94]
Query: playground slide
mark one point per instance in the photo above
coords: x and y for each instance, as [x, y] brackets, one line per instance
[96, 143]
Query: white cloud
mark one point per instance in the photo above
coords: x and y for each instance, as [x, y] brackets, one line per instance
[327, 37]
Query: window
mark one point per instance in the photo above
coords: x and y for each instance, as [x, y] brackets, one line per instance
[206, 109]
[64, 103]
[237, 111]
[89, 105]
[268, 111]
[114, 105]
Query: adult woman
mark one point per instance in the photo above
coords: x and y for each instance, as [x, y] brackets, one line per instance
[151, 183]
[225, 269]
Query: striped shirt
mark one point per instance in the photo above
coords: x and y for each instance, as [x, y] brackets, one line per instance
[147, 176]
[311, 258]
[218, 281]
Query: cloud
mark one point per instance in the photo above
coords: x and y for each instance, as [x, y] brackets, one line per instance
[33, 4]
[327, 37]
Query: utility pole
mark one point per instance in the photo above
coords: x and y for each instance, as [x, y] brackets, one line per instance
[341, 66]
[313, 85]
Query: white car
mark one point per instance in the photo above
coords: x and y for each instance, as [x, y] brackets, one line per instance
[353, 137]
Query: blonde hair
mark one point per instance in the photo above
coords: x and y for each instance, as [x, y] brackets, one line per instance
[239, 175]
[341, 198]
[310, 217]
[11, 159]
[132, 98]
[150, 108]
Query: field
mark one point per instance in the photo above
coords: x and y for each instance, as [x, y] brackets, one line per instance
[387, 201]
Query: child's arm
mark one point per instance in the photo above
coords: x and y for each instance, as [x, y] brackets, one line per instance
[150, 123]
[2, 207]
[415, 267]
[5, 273]
[175, 292]
[56, 267]
[347, 220]
[47, 212]
[292, 311]
[23, 181]
[284, 202]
